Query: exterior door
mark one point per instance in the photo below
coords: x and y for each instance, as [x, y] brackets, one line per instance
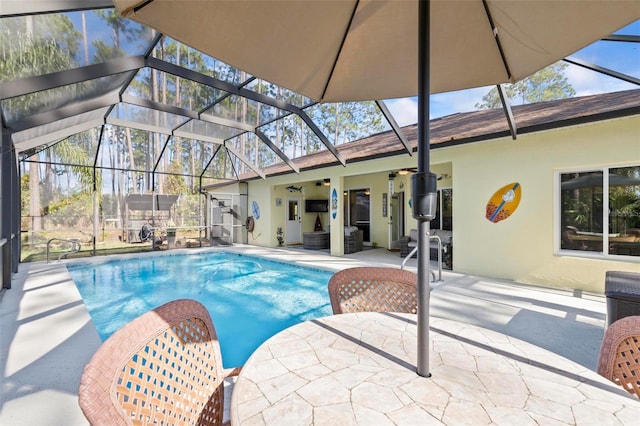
[293, 225]
[221, 220]
[396, 221]
[359, 212]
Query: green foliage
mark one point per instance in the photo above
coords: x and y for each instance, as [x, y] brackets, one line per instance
[35, 45]
[547, 84]
[75, 210]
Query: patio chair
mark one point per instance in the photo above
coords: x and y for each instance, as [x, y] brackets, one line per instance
[163, 367]
[376, 289]
[619, 359]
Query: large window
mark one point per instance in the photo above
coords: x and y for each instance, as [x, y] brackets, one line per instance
[592, 201]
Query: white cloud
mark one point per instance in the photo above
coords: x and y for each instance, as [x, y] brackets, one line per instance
[404, 110]
[587, 82]
[459, 101]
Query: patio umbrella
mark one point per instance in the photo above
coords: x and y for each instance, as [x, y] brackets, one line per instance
[349, 50]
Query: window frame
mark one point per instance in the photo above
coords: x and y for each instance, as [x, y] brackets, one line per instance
[557, 217]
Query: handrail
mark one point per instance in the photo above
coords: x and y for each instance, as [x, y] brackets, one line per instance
[415, 249]
[75, 247]
[409, 256]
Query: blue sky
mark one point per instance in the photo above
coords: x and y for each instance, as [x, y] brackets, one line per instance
[619, 56]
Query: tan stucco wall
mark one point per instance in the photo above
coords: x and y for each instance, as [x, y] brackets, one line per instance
[520, 248]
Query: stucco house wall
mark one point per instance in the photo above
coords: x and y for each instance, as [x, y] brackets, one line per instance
[524, 246]
[521, 248]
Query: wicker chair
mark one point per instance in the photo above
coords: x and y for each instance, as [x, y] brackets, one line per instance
[373, 289]
[619, 359]
[164, 367]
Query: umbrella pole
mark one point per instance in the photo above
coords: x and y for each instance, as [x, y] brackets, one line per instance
[423, 188]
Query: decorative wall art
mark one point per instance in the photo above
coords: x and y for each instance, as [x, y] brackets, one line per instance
[334, 203]
[255, 209]
[503, 202]
[384, 204]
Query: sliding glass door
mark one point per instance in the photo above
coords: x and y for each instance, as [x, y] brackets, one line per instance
[357, 211]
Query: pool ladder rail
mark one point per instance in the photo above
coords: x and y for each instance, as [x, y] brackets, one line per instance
[75, 247]
[415, 249]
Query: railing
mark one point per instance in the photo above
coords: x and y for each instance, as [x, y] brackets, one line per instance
[415, 249]
[75, 247]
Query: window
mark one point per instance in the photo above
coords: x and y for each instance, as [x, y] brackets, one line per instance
[594, 200]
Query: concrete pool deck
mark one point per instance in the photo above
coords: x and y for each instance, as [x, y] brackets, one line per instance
[46, 334]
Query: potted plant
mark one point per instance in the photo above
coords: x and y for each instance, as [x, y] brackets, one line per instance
[280, 236]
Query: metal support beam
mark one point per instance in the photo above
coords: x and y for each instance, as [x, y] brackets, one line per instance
[159, 106]
[305, 117]
[27, 85]
[394, 125]
[6, 207]
[506, 107]
[277, 151]
[25, 143]
[9, 210]
[155, 166]
[249, 94]
[130, 65]
[602, 70]
[621, 37]
[245, 160]
[68, 111]
[35, 7]
[170, 109]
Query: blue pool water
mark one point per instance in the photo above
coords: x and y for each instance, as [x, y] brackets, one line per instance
[249, 298]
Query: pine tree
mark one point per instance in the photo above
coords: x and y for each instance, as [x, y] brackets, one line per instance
[547, 84]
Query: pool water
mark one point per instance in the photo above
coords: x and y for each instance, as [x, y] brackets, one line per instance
[249, 298]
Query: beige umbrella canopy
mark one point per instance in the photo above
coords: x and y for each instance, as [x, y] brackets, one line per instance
[351, 50]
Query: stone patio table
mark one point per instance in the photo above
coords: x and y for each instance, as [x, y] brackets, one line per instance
[354, 369]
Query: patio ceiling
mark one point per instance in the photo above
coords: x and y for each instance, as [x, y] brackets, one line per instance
[135, 100]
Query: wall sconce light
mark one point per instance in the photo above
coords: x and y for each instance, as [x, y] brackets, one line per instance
[367, 191]
[392, 176]
[327, 182]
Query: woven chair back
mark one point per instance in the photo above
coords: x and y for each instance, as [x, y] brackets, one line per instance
[374, 289]
[164, 367]
[619, 359]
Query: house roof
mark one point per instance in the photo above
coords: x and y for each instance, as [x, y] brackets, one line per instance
[478, 126]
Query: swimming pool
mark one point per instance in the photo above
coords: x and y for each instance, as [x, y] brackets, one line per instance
[249, 298]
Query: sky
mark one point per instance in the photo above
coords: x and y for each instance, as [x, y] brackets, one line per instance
[623, 57]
